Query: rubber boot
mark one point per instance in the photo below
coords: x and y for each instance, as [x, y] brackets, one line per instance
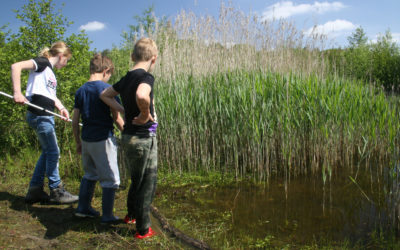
[108, 206]
[86, 192]
[61, 196]
[36, 194]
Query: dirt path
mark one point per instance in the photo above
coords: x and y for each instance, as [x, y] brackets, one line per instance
[40, 226]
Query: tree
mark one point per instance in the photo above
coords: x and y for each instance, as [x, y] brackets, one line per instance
[386, 61]
[43, 25]
[358, 38]
[377, 62]
[358, 56]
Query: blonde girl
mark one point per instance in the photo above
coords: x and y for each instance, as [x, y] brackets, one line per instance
[41, 91]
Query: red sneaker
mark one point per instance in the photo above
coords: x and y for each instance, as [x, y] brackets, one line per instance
[149, 234]
[128, 220]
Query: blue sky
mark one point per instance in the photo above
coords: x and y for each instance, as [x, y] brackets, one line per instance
[105, 20]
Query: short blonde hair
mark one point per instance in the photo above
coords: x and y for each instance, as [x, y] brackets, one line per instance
[56, 48]
[99, 63]
[144, 50]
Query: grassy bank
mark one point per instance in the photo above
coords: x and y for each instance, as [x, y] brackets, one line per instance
[48, 226]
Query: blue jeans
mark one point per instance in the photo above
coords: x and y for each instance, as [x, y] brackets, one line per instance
[48, 160]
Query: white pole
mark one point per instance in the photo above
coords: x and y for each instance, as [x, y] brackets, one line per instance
[38, 107]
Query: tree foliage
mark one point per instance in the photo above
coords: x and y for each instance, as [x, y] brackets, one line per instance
[43, 25]
[385, 55]
[374, 62]
[358, 38]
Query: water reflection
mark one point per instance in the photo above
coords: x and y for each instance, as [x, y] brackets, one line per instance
[349, 206]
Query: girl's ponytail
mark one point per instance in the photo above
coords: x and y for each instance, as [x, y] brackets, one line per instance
[56, 48]
[45, 52]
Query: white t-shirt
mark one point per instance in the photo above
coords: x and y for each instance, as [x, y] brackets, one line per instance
[42, 80]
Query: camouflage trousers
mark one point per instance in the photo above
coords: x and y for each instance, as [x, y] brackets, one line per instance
[140, 156]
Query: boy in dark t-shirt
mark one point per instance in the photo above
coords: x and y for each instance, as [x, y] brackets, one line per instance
[98, 144]
[139, 143]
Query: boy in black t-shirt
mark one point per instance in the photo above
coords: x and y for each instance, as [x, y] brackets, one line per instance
[139, 143]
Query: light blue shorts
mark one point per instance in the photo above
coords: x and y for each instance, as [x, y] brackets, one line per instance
[100, 162]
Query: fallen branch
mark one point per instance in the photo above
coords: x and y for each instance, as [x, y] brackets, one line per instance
[176, 232]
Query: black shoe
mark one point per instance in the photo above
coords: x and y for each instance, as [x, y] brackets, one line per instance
[36, 194]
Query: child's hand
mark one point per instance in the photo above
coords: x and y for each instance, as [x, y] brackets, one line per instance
[19, 98]
[142, 119]
[64, 112]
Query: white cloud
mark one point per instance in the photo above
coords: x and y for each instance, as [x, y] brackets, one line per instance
[93, 26]
[332, 28]
[287, 9]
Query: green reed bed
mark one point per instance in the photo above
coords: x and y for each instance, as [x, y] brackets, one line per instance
[263, 124]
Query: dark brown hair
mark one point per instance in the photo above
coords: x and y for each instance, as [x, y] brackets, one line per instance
[99, 63]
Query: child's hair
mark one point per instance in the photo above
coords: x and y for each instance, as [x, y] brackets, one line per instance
[56, 48]
[99, 63]
[144, 50]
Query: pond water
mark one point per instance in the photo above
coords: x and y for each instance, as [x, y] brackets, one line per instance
[348, 207]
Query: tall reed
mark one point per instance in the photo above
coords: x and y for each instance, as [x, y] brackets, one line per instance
[203, 44]
[255, 97]
[263, 124]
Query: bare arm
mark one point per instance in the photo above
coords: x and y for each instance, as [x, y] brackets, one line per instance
[118, 119]
[76, 130]
[63, 111]
[16, 69]
[143, 102]
[107, 96]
